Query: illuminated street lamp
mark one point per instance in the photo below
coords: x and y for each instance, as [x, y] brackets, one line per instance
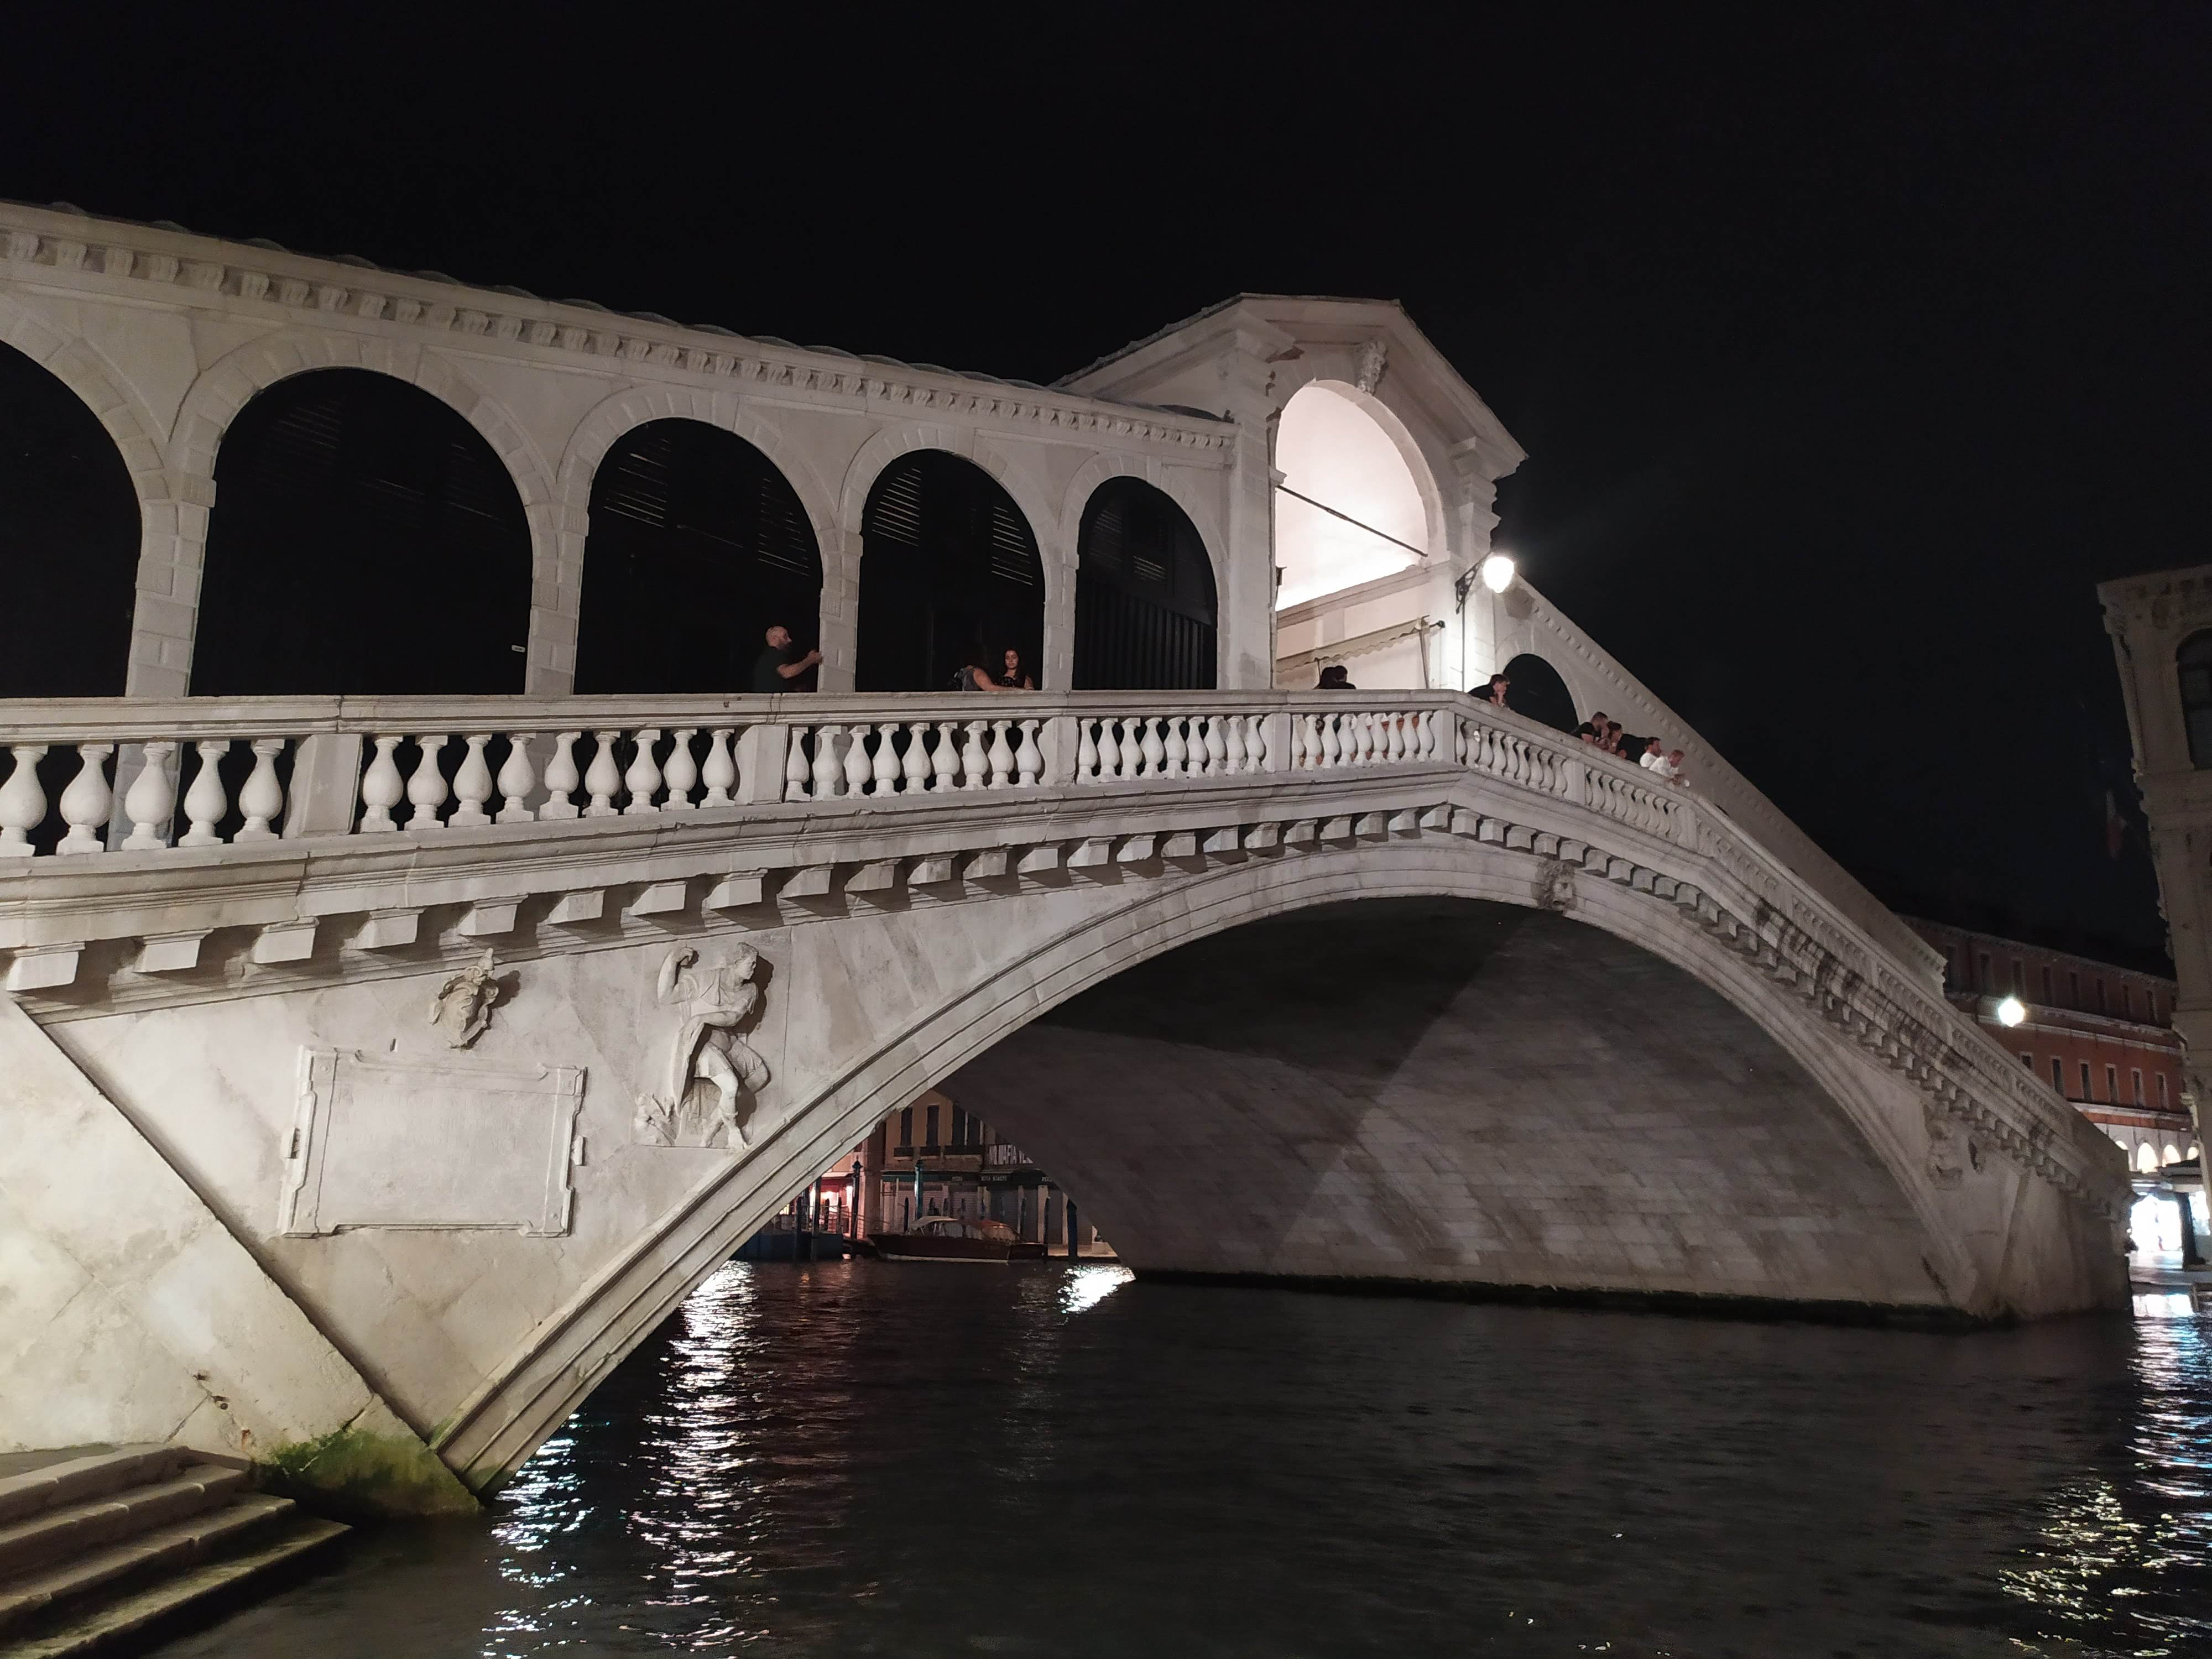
[2011, 1011]
[1498, 573]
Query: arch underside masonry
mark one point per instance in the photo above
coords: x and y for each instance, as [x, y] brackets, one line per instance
[1842, 1190]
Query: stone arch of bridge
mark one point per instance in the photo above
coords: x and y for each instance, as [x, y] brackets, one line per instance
[227, 385]
[162, 505]
[1056, 544]
[1377, 407]
[1877, 1115]
[553, 657]
[1174, 483]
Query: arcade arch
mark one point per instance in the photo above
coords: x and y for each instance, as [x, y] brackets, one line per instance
[1538, 691]
[950, 572]
[366, 540]
[697, 545]
[1145, 600]
[70, 529]
[1351, 508]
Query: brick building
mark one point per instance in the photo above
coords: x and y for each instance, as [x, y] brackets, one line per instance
[2102, 1035]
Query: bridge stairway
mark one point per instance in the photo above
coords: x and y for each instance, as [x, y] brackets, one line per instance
[100, 1546]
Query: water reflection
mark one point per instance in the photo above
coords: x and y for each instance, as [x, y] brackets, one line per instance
[1086, 1287]
[864, 1459]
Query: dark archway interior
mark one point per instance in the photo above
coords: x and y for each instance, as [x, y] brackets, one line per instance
[1449, 1089]
[1538, 692]
[949, 574]
[698, 545]
[69, 533]
[1144, 594]
[365, 539]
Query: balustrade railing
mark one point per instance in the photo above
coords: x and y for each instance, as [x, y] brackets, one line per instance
[84, 777]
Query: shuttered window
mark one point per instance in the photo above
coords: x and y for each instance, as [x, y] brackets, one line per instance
[698, 546]
[949, 574]
[1144, 601]
[365, 539]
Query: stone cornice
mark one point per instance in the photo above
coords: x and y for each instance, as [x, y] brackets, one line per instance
[39, 243]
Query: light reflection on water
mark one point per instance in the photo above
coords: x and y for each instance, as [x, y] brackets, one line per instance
[864, 1459]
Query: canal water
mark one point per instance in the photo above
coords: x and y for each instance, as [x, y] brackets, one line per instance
[866, 1458]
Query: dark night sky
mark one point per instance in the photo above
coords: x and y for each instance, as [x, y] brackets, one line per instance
[1850, 348]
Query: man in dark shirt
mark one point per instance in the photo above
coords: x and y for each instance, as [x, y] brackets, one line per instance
[778, 668]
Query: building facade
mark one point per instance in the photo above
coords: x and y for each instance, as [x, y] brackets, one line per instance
[2161, 630]
[2102, 1035]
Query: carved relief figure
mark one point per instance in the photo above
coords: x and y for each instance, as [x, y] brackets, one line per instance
[1945, 1162]
[462, 1008]
[711, 1066]
[1554, 887]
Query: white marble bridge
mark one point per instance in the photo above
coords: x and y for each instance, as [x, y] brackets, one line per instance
[376, 1072]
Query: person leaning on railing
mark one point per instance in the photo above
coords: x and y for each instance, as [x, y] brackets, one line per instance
[1335, 678]
[779, 667]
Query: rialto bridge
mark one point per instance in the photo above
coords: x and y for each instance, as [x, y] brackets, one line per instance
[376, 1070]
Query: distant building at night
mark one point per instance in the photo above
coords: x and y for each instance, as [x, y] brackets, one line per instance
[2161, 630]
[2102, 1035]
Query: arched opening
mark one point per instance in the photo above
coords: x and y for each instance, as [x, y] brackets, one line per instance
[1349, 510]
[1538, 692]
[1469, 1121]
[68, 530]
[949, 574]
[365, 539]
[698, 545]
[2146, 1158]
[2193, 662]
[1144, 594]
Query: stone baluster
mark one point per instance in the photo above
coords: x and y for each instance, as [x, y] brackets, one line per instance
[829, 764]
[1155, 751]
[1086, 750]
[262, 800]
[1459, 740]
[1174, 752]
[1332, 743]
[1299, 750]
[721, 773]
[857, 768]
[22, 801]
[642, 781]
[426, 785]
[151, 797]
[88, 802]
[1029, 759]
[1370, 730]
[563, 779]
[1232, 732]
[915, 765]
[944, 759]
[1399, 747]
[603, 779]
[1220, 729]
[382, 788]
[681, 774]
[473, 784]
[1115, 747]
[796, 772]
[206, 801]
[1001, 756]
[887, 768]
[975, 760]
[516, 778]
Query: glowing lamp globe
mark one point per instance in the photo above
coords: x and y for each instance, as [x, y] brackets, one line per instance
[2010, 1012]
[1498, 573]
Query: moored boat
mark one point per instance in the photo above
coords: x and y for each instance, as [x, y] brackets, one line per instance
[947, 1238]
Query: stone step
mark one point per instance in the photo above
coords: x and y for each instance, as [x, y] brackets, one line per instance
[164, 1550]
[73, 1479]
[63, 1530]
[130, 1614]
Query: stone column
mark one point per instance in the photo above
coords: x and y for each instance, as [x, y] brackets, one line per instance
[870, 1166]
[840, 619]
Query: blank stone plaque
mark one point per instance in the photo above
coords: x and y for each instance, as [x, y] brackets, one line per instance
[386, 1143]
